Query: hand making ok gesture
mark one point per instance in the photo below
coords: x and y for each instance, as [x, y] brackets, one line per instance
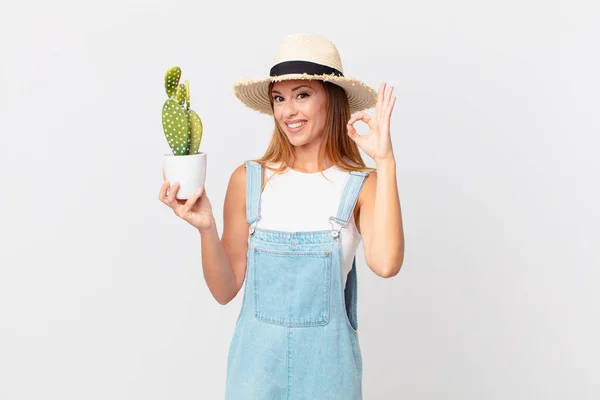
[377, 143]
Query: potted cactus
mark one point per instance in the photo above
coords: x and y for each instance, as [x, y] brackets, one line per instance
[183, 130]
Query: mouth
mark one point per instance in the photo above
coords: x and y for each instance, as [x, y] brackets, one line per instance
[296, 127]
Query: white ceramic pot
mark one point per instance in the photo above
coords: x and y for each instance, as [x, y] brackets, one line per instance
[189, 171]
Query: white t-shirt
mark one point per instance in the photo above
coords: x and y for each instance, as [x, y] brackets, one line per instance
[296, 201]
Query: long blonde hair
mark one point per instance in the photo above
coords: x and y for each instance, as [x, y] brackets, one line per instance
[335, 142]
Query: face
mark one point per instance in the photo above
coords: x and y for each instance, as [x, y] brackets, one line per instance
[302, 101]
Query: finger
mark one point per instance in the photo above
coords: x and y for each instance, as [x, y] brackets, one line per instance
[172, 200]
[393, 101]
[163, 173]
[363, 116]
[187, 207]
[386, 99]
[352, 119]
[380, 99]
[353, 134]
[162, 195]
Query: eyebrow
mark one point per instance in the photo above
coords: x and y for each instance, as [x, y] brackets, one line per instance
[296, 88]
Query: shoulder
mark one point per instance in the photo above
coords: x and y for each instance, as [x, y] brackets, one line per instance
[237, 183]
[238, 176]
[367, 193]
[240, 171]
[366, 197]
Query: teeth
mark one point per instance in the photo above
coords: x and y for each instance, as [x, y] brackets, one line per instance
[297, 125]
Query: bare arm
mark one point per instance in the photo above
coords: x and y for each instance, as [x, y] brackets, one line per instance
[381, 221]
[224, 260]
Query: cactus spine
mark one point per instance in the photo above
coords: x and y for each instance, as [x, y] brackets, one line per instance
[181, 125]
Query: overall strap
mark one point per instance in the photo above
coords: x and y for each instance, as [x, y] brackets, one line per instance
[349, 198]
[253, 191]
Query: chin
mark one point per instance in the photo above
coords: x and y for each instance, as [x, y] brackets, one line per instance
[295, 141]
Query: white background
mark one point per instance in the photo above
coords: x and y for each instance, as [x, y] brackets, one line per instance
[495, 132]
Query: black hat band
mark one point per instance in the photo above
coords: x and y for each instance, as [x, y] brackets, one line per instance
[301, 67]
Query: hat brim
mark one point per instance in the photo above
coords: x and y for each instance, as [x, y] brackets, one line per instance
[254, 93]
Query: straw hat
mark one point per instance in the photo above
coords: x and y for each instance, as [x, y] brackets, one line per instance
[305, 56]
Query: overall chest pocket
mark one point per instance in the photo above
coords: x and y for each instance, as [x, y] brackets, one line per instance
[292, 288]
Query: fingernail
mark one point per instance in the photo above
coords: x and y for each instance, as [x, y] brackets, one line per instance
[199, 190]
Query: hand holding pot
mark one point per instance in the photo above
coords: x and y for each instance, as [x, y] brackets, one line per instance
[196, 210]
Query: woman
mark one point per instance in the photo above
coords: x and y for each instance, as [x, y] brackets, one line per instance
[292, 222]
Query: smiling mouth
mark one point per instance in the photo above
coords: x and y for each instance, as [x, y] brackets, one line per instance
[296, 127]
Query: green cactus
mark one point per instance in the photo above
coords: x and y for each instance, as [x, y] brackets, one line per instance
[181, 94]
[181, 125]
[172, 80]
[195, 131]
[176, 127]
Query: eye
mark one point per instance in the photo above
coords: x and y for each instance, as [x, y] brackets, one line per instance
[299, 94]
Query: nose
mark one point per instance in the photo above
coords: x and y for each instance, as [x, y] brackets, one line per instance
[289, 108]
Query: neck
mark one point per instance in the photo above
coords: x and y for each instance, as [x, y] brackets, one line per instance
[310, 165]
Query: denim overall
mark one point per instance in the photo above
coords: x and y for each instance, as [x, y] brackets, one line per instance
[296, 334]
